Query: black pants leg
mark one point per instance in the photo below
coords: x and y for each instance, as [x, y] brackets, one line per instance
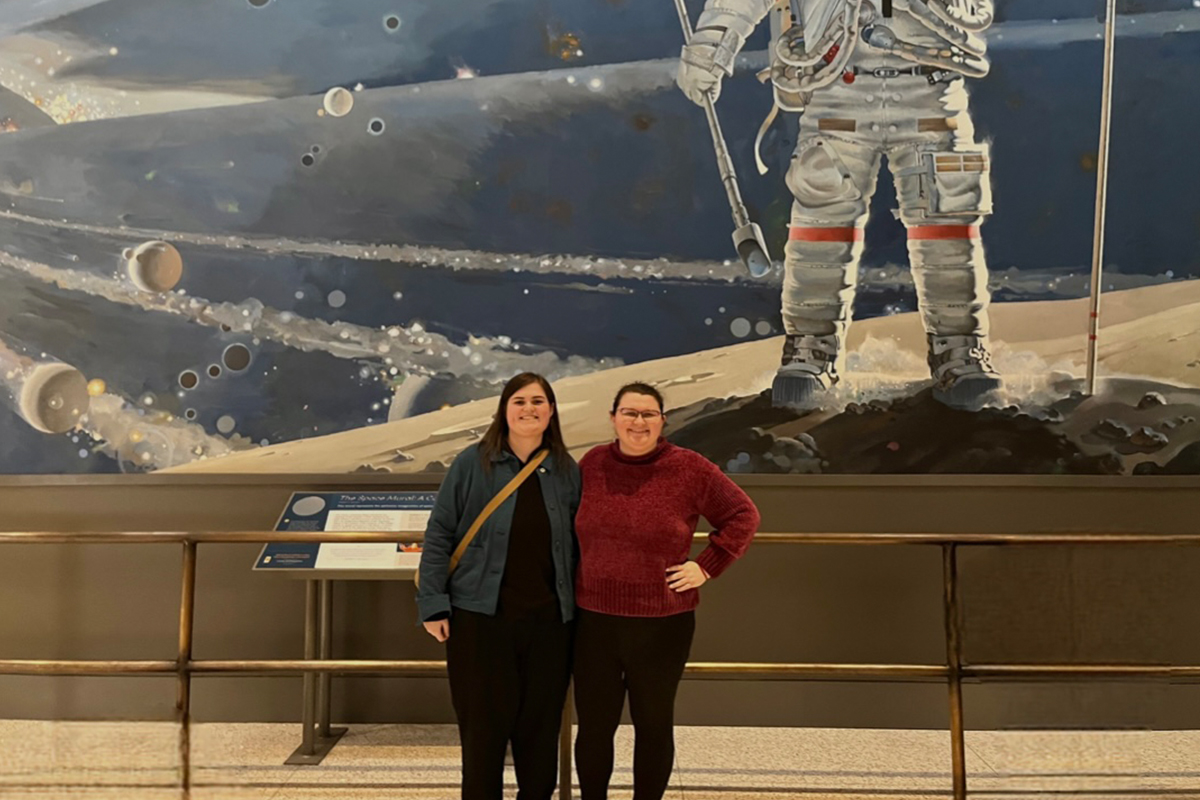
[653, 679]
[508, 680]
[645, 656]
[544, 665]
[482, 664]
[599, 698]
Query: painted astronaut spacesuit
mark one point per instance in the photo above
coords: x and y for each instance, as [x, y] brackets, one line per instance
[874, 78]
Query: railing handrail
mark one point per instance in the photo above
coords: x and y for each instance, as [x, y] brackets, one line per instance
[835, 538]
[294, 666]
[954, 671]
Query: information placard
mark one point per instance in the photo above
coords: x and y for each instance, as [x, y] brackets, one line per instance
[399, 512]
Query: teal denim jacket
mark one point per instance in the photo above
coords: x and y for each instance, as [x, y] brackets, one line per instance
[467, 488]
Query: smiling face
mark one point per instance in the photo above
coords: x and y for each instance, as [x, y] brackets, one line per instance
[638, 422]
[529, 411]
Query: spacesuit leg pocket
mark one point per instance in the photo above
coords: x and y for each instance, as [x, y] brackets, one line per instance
[819, 177]
[947, 184]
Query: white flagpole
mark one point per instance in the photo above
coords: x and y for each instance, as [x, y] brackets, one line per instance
[1110, 27]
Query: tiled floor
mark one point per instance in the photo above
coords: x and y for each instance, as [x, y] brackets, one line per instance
[139, 761]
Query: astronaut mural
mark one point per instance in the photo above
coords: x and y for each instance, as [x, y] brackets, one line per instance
[871, 83]
[317, 236]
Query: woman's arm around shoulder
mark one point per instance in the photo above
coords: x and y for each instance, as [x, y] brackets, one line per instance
[592, 457]
[575, 483]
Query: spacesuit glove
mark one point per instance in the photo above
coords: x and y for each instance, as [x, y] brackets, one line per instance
[698, 75]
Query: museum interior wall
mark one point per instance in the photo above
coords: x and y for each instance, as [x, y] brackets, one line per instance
[1126, 604]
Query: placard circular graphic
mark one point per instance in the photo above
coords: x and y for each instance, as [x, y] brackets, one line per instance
[307, 506]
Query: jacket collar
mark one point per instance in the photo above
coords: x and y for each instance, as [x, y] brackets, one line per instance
[506, 454]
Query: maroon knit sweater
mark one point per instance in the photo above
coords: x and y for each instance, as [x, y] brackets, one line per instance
[637, 517]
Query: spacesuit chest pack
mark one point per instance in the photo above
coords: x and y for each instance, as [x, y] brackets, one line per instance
[817, 42]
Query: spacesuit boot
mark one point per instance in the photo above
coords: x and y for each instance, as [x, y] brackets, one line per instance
[950, 276]
[809, 368]
[962, 370]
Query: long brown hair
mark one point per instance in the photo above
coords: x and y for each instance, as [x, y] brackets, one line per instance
[492, 444]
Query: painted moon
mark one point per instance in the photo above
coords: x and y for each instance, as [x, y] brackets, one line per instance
[54, 397]
[155, 267]
[338, 102]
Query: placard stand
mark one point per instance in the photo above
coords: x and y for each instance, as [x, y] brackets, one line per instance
[321, 564]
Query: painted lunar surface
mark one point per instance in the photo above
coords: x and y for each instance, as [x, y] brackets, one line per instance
[318, 236]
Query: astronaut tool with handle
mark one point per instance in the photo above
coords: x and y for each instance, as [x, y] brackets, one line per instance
[747, 236]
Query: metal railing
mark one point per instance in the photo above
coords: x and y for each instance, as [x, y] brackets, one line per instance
[954, 671]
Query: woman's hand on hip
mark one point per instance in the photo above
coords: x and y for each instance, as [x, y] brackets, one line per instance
[685, 577]
[438, 629]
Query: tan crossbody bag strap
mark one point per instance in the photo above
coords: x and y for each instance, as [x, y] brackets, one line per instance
[488, 510]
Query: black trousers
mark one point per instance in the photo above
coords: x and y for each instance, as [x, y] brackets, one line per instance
[508, 682]
[645, 657]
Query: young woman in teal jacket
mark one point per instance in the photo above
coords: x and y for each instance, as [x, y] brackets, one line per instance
[506, 611]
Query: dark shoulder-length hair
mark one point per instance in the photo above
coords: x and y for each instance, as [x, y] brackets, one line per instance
[637, 387]
[492, 444]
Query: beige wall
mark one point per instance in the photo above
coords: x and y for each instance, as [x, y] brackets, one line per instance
[782, 603]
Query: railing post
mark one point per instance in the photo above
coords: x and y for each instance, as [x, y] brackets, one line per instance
[954, 663]
[308, 715]
[183, 697]
[564, 747]
[325, 626]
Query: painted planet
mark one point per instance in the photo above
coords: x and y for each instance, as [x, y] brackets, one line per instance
[54, 397]
[154, 266]
[338, 102]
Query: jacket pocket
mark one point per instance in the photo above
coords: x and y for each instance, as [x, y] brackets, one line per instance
[470, 571]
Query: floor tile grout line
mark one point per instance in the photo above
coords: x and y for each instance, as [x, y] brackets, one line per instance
[986, 763]
[290, 775]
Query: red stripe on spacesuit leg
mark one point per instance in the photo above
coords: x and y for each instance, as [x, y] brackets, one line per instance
[943, 232]
[803, 233]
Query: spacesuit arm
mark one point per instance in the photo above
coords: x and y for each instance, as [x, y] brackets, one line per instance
[722, 30]
[720, 33]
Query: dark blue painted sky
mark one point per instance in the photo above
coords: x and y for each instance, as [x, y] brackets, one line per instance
[515, 164]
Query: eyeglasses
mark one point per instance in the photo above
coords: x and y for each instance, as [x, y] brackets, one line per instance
[632, 414]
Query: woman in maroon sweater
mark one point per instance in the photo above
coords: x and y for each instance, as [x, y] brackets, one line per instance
[636, 588]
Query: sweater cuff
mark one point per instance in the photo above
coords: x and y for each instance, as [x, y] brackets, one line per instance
[714, 560]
